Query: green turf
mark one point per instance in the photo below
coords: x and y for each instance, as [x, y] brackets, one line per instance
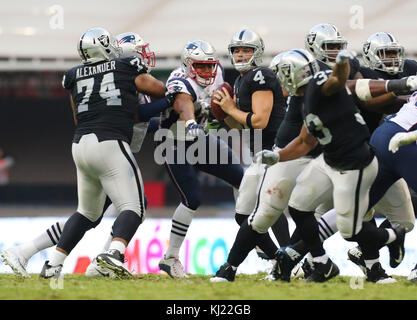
[197, 287]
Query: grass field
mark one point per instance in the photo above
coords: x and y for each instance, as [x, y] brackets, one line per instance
[197, 287]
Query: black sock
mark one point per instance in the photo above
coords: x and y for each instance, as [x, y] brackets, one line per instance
[245, 241]
[126, 225]
[295, 237]
[385, 224]
[240, 218]
[75, 228]
[281, 231]
[370, 239]
[309, 230]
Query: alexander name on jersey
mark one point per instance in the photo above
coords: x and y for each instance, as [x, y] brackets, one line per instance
[92, 70]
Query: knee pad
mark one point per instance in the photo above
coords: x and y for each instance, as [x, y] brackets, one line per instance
[263, 219]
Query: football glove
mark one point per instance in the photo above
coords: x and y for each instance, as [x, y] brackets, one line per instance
[401, 139]
[344, 55]
[267, 157]
[194, 129]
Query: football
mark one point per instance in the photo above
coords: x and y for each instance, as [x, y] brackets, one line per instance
[217, 111]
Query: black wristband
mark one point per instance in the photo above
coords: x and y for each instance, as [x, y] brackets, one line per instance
[249, 119]
[398, 86]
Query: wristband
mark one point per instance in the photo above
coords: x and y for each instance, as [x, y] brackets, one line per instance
[363, 92]
[397, 86]
[249, 119]
[191, 121]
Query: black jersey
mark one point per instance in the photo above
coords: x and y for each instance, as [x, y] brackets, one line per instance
[373, 119]
[337, 124]
[257, 79]
[105, 97]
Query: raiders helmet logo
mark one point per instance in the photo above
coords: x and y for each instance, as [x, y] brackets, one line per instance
[366, 47]
[286, 70]
[104, 40]
[310, 38]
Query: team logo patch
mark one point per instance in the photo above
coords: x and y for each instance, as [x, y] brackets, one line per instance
[310, 38]
[130, 38]
[286, 70]
[366, 47]
[104, 40]
[191, 46]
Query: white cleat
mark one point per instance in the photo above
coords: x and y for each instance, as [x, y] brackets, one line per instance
[173, 267]
[94, 270]
[14, 260]
[113, 261]
[413, 275]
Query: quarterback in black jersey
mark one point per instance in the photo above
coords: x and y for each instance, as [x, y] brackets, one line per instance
[259, 106]
[104, 101]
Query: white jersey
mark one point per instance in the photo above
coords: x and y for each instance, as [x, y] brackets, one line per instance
[201, 97]
[407, 116]
[139, 129]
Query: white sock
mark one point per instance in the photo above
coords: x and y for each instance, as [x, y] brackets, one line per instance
[46, 239]
[180, 223]
[57, 258]
[118, 245]
[370, 263]
[391, 235]
[327, 224]
[321, 259]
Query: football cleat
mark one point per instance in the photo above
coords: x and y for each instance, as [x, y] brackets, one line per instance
[355, 255]
[284, 265]
[173, 267]
[224, 274]
[270, 274]
[378, 275]
[94, 270]
[413, 274]
[14, 260]
[323, 271]
[396, 248]
[49, 271]
[113, 261]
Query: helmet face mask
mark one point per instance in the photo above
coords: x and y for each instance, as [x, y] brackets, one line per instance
[97, 44]
[247, 39]
[199, 62]
[295, 69]
[132, 44]
[382, 52]
[324, 42]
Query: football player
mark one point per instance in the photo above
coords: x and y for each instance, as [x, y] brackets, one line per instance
[17, 257]
[346, 168]
[195, 81]
[258, 105]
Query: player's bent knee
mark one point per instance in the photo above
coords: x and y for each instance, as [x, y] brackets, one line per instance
[262, 221]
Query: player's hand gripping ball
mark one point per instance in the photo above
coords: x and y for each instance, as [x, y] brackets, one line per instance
[217, 111]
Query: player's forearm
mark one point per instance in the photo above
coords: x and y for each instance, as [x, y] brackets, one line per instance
[252, 120]
[295, 149]
[337, 80]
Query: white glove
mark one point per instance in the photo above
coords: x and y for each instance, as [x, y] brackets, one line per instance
[412, 83]
[267, 157]
[401, 139]
[344, 55]
[194, 129]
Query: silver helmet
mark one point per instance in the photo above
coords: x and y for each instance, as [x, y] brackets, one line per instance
[275, 61]
[133, 44]
[324, 42]
[203, 53]
[295, 69]
[247, 38]
[382, 52]
[97, 44]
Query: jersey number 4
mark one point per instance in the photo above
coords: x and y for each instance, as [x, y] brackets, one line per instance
[107, 91]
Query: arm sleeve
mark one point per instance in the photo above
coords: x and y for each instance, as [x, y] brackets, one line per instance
[148, 110]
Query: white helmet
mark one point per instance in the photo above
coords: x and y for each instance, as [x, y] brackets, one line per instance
[132, 44]
[275, 61]
[97, 44]
[375, 51]
[295, 69]
[324, 42]
[200, 52]
[247, 38]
